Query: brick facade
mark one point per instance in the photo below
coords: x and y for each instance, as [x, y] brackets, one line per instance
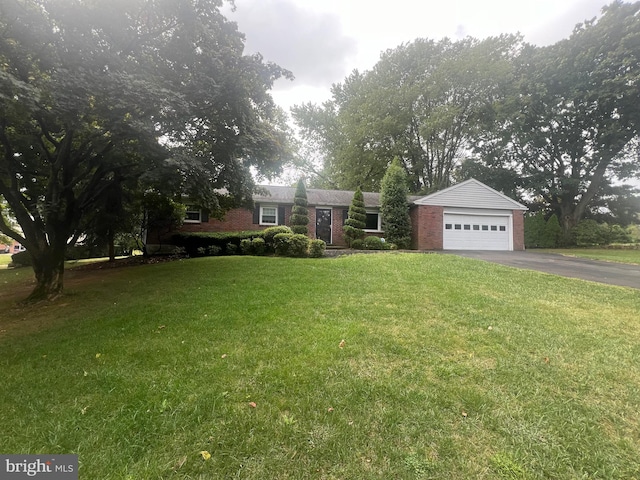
[240, 219]
[426, 221]
[518, 230]
[427, 213]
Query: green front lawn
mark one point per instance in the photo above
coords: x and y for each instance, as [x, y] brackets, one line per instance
[407, 366]
[609, 255]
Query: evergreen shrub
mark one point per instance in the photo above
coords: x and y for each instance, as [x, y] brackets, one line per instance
[299, 213]
[375, 243]
[246, 246]
[353, 228]
[317, 248]
[357, 244]
[269, 233]
[258, 246]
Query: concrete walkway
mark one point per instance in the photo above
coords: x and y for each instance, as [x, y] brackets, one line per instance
[611, 273]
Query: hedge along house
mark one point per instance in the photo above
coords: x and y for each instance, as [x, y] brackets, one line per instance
[467, 216]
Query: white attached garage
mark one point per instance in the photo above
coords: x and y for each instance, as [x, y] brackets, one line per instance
[476, 230]
[473, 217]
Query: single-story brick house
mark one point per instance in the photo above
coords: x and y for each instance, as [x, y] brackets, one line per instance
[466, 216]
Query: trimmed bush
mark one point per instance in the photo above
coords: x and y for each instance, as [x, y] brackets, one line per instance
[231, 249]
[299, 245]
[357, 244]
[354, 226]
[258, 246]
[191, 242]
[246, 246]
[300, 213]
[281, 244]
[291, 245]
[317, 248]
[375, 243]
[269, 234]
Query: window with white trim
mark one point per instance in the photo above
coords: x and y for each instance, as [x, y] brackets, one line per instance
[192, 214]
[373, 223]
[268, 215]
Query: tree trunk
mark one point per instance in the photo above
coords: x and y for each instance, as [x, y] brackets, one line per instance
[569, 218]
[48, 267]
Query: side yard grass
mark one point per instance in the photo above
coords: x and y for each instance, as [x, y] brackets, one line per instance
[606, 254]
[408, 366]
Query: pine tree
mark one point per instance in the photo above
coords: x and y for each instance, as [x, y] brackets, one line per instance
[394, 208]
[299, 213]
[354, 226]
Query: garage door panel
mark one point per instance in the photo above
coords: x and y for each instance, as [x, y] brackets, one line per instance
[476, 232]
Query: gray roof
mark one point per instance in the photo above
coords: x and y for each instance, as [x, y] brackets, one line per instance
[316, 197]
[470, 193]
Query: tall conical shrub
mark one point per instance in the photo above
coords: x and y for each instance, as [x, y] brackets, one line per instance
[300, 213]
[354, 226]
[394, 207]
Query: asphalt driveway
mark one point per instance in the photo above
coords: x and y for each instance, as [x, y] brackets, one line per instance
[594, 270]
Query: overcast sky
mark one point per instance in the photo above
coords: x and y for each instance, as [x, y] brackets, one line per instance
[322, 41]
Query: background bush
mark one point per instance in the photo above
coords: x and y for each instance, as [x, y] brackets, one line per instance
[541, 233]
[589, 233]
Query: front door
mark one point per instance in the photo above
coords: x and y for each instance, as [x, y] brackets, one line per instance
[323, 224]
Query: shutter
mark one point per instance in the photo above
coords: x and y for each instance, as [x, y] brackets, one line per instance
[256, 214]
[345, 216]
[204, 216]
[280, 215]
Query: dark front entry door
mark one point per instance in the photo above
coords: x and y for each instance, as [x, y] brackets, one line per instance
[323, 224]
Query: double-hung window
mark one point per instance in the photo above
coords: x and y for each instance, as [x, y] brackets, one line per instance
[268, 215]
[193, 214]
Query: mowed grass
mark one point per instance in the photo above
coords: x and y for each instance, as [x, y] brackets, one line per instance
[606, 254]
[450, 368]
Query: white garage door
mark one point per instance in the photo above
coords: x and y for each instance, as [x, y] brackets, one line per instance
[476, 232]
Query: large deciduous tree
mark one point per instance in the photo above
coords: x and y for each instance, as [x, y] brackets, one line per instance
[569, 125]
[92, 93]
[420, 103]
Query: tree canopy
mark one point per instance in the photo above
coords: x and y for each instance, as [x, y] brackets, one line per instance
[568, 126]
[95, 92]
[420, 103]
[555, 127]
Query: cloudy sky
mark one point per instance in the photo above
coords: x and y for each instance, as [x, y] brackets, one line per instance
[322, 41]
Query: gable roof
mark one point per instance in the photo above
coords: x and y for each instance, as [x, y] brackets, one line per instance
[471, 194]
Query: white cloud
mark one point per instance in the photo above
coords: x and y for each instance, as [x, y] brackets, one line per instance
[322, 41]
[312, 45]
